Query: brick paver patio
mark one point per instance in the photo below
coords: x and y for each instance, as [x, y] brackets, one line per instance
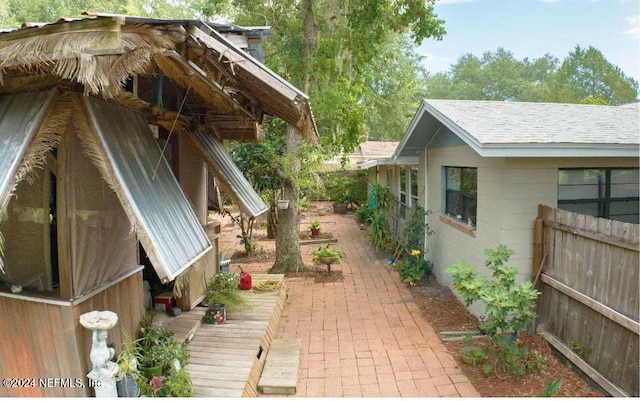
[365, 336]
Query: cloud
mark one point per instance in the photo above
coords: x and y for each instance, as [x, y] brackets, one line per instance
[633, 27]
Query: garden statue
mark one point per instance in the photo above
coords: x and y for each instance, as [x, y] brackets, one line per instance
[103, 373]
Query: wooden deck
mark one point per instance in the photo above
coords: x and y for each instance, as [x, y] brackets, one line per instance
[227, 359]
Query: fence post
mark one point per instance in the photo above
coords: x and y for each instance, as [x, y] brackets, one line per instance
[538, 247]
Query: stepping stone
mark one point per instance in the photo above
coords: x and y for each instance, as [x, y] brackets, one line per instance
[280, 373]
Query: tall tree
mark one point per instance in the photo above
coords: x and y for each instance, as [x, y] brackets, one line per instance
[586, 76]
[394, 84]
[325, 48]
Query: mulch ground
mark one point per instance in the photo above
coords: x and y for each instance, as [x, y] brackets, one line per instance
[446, 313]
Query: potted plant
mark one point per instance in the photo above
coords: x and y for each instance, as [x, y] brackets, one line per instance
[341, 203]
[128, 364]
[315, 228]
[326, 255]
[223, 293]
[158, 350]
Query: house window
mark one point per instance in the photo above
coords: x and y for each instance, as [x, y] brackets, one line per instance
[461, 195]
[414, 186]
[403, 192]
[611, 193]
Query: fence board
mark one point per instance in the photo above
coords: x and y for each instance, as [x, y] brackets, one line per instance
[589, 285]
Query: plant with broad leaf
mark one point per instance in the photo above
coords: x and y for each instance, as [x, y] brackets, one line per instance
[508, 306]
[414, 268]
[326, 255]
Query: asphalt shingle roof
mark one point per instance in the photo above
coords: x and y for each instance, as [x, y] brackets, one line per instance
[494, 122]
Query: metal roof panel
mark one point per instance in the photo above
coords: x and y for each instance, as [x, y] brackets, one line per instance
[173, 237]
[218, 159]
[20, 117]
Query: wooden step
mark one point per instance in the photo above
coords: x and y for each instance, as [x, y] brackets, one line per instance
[280, 374]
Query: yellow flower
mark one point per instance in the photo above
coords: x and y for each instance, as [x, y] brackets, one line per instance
[415, 252]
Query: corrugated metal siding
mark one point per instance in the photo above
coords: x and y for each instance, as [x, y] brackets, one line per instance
[20, 117]
[173, 230]
[217, 158]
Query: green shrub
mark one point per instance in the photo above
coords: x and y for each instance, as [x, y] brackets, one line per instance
[378, 230]
[223, 289]
[509, 308]
[363, 214]
[414, 268]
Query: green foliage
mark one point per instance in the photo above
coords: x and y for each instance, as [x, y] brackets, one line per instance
[363, 214]
[378, 230]
[128, 359]
[222, 288]
[509, 306]
[416, 229]
[552, 388]
[343, 186]
[324, 254]
[583, 77]
[176, 384]
[414, 268]
[474, 356]
[354, 59]
[315, 224]
[157, 347]
[512, 357]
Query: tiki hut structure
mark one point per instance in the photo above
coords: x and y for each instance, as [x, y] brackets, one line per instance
[110, 127]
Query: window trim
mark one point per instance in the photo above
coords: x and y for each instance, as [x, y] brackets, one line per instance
[461, 203]
[604, 199]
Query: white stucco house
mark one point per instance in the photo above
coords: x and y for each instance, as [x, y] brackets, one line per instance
[482, 168]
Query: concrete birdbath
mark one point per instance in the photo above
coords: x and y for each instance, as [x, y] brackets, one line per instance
[103, 373]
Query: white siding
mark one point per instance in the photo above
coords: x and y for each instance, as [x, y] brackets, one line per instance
[509, 191]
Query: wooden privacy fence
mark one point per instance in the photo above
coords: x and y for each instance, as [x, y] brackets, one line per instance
[587, 270]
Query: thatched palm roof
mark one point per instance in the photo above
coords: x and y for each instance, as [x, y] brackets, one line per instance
[230, 92]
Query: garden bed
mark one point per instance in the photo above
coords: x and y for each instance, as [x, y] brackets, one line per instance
[446, 313]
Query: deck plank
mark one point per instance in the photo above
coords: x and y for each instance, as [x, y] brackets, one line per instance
[280, 374]
[224, 358]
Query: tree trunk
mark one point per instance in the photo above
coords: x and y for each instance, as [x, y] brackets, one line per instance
[308, 41]
[272, 217]
[288, 258]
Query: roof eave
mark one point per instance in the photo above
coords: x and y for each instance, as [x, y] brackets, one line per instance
[549, 150]
[393, 161]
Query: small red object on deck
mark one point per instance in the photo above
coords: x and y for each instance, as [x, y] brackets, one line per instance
[245, 280]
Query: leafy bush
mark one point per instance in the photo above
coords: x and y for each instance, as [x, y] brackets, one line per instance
[363, 214]
[509, 308]
[414, 269]
[344, 186]
[325, 253]
[223, 289]
[378, 231]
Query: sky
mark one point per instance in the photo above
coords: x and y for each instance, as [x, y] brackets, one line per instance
[533, 28]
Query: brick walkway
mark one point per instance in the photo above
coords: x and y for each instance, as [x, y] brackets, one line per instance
[365, 336]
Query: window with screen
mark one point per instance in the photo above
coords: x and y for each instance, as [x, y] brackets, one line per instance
[461, 193]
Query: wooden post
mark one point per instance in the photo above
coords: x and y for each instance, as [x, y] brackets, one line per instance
[538, 247]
